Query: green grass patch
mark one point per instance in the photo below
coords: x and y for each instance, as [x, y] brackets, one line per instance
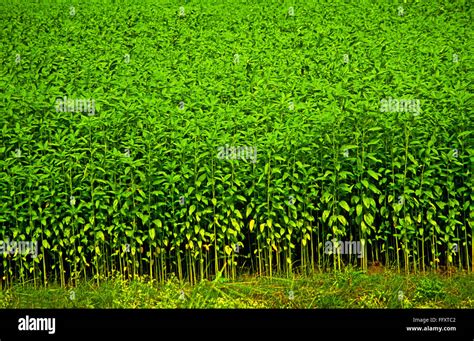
[348, 289]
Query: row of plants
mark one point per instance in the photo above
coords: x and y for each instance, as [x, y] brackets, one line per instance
[406, 192]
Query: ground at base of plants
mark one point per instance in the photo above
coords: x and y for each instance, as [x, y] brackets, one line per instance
[344, 289]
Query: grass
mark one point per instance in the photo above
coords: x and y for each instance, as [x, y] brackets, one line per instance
[350, 288]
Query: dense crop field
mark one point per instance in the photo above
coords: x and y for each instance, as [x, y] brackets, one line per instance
[210, 139]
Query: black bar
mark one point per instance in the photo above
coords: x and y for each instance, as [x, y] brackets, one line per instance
[366, 324]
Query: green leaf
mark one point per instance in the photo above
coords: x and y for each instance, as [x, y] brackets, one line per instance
[369, 219]
[342, 220]
[235, 224]
[251, 225]
[366, 201]
[326, 215]
[45, 244]
[374, 189]
[241, 198]
[344, 205]
[152, 233]
[373, 174]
